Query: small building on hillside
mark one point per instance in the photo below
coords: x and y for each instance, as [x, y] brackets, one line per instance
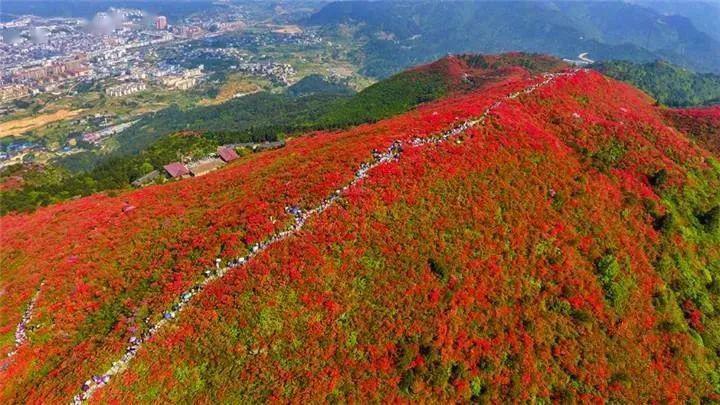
[227, 153]
[205, 166]
[125, 89]
[146, 179]
[176, 170]
[258, 147]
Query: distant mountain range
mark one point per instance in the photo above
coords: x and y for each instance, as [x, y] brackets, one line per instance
[397, 34]
[703, 14]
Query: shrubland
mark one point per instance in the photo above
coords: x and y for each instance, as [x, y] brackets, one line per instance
[567, 249]
[313, 103]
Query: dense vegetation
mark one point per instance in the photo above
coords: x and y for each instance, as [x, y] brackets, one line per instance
[317, 84]
[389, 97]
[52, 184]
[668, 84]
[405, 90]
[567, 250]
[149, 145]
[394, 35]
[311, 104]
[700, 123]
[259, 110]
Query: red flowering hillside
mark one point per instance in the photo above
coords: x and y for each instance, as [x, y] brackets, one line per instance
[547, 237]
[703, 124]
[470, 71]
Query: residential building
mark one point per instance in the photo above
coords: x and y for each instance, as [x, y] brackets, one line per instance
[205, 166]
[13, 91]
[146, 179]
[161, 22]
[176, 170]
[125, 89]
[227, 153]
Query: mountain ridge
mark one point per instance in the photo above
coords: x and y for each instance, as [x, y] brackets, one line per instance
[394, 35]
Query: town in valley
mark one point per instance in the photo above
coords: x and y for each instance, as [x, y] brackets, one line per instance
[71, 84]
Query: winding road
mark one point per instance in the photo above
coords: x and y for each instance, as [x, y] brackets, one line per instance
[583, 57]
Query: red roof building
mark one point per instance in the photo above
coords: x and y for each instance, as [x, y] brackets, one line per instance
[176, 169]
[227, 153]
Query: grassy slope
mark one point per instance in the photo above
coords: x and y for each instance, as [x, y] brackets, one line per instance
[450, 74]
[567, 250]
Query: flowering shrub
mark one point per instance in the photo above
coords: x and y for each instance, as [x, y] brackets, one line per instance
[523, 259]
[700, 123]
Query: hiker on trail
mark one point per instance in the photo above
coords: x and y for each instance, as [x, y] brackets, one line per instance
[127, 207]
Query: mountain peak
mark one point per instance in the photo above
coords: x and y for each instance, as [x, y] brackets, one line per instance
[468, 71]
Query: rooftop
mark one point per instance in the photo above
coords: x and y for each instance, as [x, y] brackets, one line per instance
[205, 166]
[176, 169]
[227, 154]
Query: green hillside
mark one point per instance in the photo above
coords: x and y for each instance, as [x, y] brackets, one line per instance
[668, 84]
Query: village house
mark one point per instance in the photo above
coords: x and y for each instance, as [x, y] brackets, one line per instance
[205, 166]
[227, 153]
[260, 146]
[125, 89]
[146, 179]
[176, 170]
